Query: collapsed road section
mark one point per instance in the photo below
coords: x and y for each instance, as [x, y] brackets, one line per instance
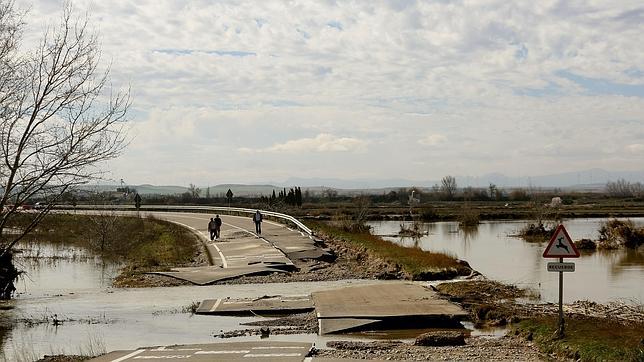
[385, 306]
[268, 305]
[229, 352]
[240, 252]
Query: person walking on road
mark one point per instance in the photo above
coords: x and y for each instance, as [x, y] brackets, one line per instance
[217, 227]
[257, 219]
[211, 229]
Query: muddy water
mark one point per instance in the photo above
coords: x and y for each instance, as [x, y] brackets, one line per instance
[54, 269]
[75, 286]
[600, 276]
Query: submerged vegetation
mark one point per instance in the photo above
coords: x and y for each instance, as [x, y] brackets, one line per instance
[469, 218]
[414, 230]
[620, 233]
[536, 232]
[144, 244]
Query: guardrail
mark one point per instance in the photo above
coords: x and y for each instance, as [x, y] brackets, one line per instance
[214, 209]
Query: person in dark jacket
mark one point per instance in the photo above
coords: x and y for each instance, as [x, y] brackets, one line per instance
[217, 227]
[257, 219]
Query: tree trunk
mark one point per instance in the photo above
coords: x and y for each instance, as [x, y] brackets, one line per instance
[8, 274]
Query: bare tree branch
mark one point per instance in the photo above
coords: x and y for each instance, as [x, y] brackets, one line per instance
[56, 123]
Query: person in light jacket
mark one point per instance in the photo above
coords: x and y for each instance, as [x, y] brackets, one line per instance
[211, 229]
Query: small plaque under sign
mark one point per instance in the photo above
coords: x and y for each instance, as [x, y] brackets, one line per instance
[561, 267]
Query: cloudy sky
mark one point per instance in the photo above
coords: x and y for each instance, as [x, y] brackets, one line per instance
[252, 91]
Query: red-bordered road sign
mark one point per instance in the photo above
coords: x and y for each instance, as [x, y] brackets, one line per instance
[561, 245]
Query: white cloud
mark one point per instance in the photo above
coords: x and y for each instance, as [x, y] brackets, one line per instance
[636, 148]
[433, 140]
[247, 75]
[322, 143]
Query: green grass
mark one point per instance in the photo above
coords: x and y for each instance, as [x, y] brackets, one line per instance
[141, 242]
[418, 263]
[588, 339]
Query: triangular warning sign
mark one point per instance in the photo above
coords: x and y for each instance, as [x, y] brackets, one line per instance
[561, 245]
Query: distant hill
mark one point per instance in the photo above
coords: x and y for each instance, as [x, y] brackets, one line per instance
[241, 190]
[588, 180]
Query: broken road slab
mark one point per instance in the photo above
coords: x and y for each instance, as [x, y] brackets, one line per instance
[265, 305]
[237, 351]
[399, 304]
[212, 274]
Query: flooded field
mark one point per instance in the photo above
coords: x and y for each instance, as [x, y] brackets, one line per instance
[94, 317]
[601, 276]
[73, 287]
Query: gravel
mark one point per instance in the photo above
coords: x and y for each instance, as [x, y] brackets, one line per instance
[508, 348]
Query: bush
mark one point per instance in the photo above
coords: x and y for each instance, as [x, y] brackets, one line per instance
[615, 233]
[428, 213]
[585, 244]
[536, 232]
[469, 218]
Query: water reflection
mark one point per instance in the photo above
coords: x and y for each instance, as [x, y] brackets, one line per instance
[52, 269]
[492, 250]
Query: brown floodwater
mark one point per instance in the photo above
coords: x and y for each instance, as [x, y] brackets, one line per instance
[600, 276]
[76, 286]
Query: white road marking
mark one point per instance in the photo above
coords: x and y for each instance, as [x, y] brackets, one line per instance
[260, 355]
[223, 259]
[129, 355]
[214, 307]
[319, 322]
[221, 352]
[176, 356]
[277, 347]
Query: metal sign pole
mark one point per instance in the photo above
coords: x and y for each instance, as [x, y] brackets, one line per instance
[561, 246]
[561, 316]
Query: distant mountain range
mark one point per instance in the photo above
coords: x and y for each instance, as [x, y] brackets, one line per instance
[593, 179]
[587, 179]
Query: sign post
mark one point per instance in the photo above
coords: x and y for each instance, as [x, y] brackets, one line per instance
[229, 196]
[561, 246]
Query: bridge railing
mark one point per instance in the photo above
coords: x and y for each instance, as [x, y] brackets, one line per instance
[214, 209]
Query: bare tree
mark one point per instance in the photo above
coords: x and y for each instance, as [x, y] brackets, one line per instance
[637, 189]
[619, 188]
[102, 228]
[56, 124]
[448, 187]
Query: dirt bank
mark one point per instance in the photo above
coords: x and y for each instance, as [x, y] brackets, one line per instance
[597, 332]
